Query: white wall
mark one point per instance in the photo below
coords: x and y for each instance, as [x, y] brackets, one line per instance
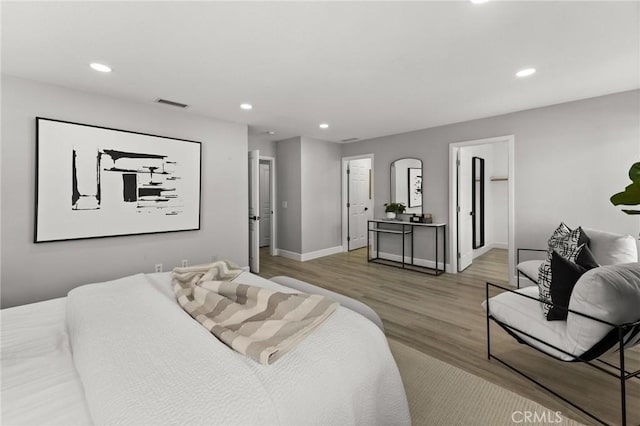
[499, 192]
[33, 272]
[308, 179]
[569, 159]
[266, 148]
[321, 216]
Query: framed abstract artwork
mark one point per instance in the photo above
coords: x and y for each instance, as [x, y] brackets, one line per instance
[415, 187]
[94, 182]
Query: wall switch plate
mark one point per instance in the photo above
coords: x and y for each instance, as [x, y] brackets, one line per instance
[284, 204]
[185, 263]
[158, 267]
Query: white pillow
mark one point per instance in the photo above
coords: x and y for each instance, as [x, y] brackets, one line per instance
[612, 249]
[610, 293]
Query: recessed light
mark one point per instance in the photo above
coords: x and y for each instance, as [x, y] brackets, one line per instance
[324, 126]
[526, 72]
[271, 132]
[246, 106]
[100, 67]
[479, 1]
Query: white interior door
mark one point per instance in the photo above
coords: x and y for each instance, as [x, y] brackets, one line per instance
[254, 211]
[265, 205]
[359, 202]
[465, 219]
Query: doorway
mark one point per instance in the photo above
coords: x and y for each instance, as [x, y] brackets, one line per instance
[266, 203]
[482, 205]
[358, 200]
[262, 215]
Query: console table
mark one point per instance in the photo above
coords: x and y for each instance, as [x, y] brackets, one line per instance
[404, 229]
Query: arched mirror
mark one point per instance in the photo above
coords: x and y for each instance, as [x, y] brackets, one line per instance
[406, 184]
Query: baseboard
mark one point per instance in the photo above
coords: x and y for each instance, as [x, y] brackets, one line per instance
[290, 254]
[309, 256]
[489, 246]
[482, 250]
[416, 261]
[321, 253]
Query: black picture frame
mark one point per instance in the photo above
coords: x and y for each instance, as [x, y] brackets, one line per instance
[48, 146]
[414, 188]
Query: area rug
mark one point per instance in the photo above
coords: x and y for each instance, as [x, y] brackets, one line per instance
[441, 394]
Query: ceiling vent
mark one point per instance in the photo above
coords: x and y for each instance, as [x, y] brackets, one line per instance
[172, 103]
[350, 140]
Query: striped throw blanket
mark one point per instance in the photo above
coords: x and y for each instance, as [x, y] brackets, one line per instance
[257, 322]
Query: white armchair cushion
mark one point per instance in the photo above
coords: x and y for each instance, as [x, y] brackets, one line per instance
[526, 315]
[610, 293]
[530, 269]
[611, 249]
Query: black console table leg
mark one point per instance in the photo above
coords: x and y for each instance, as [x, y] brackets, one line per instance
[403, 234]
[437, 263]
[412, 230]
[444, 246]
[368, 235]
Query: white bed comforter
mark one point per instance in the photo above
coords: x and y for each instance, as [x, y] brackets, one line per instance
[40, 385]
[143, 360]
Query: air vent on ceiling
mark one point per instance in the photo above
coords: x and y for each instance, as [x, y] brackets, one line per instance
[172, 103]
[350, 140]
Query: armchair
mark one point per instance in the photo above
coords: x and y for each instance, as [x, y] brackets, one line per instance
[603, 314]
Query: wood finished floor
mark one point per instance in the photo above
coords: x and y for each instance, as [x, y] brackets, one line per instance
[442, 317]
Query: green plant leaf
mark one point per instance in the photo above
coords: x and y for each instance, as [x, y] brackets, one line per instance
[395, 207]
[634, 173]
[629, 197]
[631, 211]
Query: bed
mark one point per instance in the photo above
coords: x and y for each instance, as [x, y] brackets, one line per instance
[124, 352]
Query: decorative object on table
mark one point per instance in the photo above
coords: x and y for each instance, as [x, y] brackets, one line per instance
[631, 194]
[421, 218]
[99, 182]
[415, 187]
[393, 209]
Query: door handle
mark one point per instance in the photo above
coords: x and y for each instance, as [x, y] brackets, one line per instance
[254, 217]
[366, 208]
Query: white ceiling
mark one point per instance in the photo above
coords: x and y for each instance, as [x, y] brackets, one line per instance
[368, 69]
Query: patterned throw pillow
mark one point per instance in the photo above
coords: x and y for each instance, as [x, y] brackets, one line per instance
[568, 245]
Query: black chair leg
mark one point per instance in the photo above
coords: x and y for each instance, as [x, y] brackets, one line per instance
[488, 324]
[623, 388]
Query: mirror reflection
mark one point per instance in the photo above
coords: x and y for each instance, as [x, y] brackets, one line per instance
[406, 184]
